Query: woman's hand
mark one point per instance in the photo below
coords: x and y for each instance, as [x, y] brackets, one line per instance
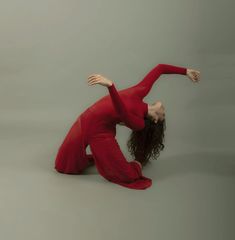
[193, 75]
[99, 79]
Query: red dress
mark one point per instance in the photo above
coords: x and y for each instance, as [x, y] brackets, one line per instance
[96, 127]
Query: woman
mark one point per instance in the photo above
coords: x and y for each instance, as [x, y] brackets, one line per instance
[96, 127]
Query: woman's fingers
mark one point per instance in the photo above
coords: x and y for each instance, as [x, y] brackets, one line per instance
[195, 76]
[93, 79]
[97, 78]
[94, 76]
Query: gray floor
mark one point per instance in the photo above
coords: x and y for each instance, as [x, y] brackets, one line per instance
[192, 197]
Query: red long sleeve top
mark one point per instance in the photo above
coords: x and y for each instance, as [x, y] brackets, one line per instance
[126, 106]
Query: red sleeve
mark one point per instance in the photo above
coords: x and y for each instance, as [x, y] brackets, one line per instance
[145, 85]
[132, 121]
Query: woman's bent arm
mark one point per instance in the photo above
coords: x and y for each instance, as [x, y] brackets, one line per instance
[130, 120]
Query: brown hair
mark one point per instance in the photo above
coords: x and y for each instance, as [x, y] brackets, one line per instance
[147, 142]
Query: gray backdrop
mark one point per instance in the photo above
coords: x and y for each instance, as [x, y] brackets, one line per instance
[48, 48]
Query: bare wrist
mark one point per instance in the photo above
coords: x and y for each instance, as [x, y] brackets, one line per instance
[110, 84]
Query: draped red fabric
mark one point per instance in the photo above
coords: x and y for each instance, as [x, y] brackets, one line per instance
[96, 127]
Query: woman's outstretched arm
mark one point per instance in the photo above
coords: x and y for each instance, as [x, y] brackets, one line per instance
[144, 86]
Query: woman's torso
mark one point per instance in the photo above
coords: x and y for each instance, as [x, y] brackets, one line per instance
[101, 117]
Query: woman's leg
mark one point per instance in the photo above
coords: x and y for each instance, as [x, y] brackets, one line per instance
[71, 157]
[113, 166]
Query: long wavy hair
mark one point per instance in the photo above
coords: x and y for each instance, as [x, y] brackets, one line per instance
[147, 143]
